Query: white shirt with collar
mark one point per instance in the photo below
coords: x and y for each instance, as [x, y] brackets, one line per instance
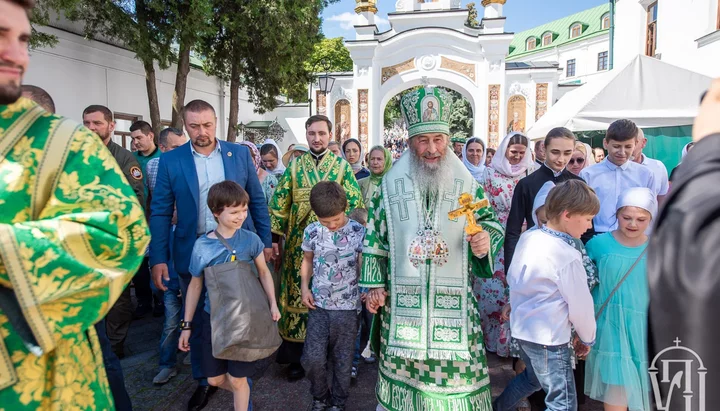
[662, 184]
[609, 181]
[210, 171]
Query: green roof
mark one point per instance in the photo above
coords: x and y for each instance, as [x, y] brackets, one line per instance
[258, 124]
[591, 21]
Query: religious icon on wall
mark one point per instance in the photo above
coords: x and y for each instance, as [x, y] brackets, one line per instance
[342, 121]
[516, 114]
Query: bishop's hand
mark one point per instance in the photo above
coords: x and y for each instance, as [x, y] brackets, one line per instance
[375, 299]
[480, 243]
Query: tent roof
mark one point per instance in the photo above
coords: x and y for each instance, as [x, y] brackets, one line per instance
[647, 91]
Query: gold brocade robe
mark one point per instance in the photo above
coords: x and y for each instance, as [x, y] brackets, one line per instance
[72, 234]
[290, 214]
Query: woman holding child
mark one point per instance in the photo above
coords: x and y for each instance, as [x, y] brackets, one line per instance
[511, 163]
[616, 371]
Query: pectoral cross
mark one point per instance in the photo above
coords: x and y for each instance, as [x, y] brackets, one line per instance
[467, 209]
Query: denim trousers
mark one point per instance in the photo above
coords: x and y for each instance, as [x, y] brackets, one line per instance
[547, 367]
[173, 315]
[113, 370]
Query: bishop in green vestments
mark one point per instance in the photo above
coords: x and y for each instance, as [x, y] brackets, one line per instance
[290, 214]
[419, 264]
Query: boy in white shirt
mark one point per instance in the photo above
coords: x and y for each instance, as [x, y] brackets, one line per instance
[548, 295]
[617, 173]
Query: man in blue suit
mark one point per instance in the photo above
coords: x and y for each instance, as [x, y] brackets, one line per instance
[184, 177]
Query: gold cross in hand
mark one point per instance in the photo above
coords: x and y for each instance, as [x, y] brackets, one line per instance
[467, 209]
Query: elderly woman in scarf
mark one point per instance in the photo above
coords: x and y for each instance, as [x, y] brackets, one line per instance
[271, 154]
[380, 162]
[353, 153]
[512, 162]
[473, 156]
[268, 181]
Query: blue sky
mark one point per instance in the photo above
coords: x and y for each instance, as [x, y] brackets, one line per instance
[521, 14]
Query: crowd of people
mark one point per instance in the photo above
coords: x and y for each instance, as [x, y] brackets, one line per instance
[434, 252]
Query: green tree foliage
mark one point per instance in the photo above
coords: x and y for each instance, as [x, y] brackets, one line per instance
[330, 52]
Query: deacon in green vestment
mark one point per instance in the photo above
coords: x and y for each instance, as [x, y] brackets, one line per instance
[290, 214]
[72, 234]
[419, 264]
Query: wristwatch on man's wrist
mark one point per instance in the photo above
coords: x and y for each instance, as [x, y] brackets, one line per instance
[185, 325]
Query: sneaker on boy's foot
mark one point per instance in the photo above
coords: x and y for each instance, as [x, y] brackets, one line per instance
[318, 405]
[164, 375]
[371, 359]
[187, 360]
[353, 373]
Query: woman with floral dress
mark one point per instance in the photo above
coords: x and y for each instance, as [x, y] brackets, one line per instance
[511, 163]
[268, 181]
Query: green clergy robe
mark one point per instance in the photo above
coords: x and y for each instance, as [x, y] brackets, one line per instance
[415, 385]
[72, 234]
[290, 214]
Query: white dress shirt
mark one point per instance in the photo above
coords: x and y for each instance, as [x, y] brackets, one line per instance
[660, 173]
[549, 291]
[609, 181]
[210, 171]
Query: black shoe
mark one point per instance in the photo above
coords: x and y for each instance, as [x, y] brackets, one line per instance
[158, 310]
[142, 310]
[318, 405]
[295, 372]
[200, 397]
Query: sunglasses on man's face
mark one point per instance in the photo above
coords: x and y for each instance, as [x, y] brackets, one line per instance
[578, 160]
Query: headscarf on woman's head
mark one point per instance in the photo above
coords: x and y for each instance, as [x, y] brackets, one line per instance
[502, 165]
[540, 199]
[640, 197]
[279, 168]
[476, 170]
[357, 166]
[254, 153]
[376, 178]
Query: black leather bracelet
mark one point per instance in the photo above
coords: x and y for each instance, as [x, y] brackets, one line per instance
[185, 325]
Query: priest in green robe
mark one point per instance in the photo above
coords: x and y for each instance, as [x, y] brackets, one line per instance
[72, 234]
[419, 263]
[290, 214]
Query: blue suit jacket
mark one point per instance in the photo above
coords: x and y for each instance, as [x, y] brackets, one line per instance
[177, 185]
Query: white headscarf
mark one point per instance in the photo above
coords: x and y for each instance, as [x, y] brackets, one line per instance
[358, 165]
[540, 198]
[685, 150]
[502, 165]
[476, 170]
[280, 167]
[640, 197]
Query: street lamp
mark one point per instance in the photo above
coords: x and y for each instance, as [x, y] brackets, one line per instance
[325, 81]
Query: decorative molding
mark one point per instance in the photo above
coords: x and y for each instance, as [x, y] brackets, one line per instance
[495, 65]
[455, 3]
[389, 72]
[541, 90]
[486, 3]
[340, 93]
[363, 118]
[518, 89]
[493, 115]
[320, 103]
[427, 62]
[363, 71]
[516, 114]
[465, 69]
[365, 6]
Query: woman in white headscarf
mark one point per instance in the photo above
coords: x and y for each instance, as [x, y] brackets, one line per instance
[512, 162]
[473, 156]
[271, 154]
[616, 369]
[352, 152]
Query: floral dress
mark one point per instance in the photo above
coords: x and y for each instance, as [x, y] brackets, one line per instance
[492, 293]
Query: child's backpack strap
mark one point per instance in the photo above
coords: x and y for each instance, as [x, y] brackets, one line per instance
[227, 245]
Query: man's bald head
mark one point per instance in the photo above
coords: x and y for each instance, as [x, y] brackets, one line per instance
[640, 143]
[39, 96]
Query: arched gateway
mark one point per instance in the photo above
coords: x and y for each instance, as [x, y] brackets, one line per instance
[431, 43]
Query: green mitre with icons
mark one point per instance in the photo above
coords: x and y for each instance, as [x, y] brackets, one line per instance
[426, 110]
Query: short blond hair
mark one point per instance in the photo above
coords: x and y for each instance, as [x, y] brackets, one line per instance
[573, 196]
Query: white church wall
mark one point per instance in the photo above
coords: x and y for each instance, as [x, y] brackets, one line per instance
[78, 73]
[585, 53]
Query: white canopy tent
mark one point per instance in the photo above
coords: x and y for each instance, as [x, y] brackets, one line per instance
[647, 91]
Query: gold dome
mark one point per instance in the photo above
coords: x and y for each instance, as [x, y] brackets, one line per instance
[365, 6]
[485, 3]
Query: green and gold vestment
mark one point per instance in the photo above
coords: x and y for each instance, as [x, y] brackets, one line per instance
[72, 234]
[290, 214]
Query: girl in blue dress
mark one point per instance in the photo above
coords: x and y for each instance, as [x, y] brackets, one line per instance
[617, 366]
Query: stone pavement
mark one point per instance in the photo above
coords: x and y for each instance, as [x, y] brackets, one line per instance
[271, 392]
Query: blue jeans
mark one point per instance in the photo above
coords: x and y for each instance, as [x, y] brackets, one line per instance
[113, 370]
[173, 315]
[547, 367]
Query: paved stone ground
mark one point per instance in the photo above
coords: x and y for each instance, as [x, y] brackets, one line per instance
[271, 392]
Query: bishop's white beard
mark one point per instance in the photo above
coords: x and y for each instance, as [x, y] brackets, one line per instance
[429, 178]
